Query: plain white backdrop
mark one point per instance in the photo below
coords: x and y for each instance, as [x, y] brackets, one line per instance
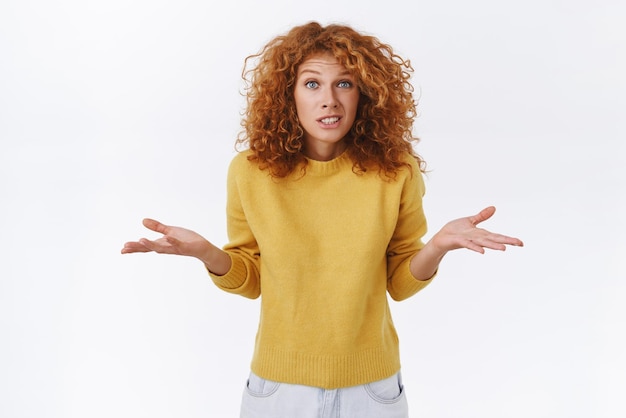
[118, 110]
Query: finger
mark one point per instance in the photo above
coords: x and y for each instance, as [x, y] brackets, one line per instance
[483, 215]
[479, 246]
[160, 246]
[150, 245]
[154, 225]
[472, 245]
[493, 242]
[505, 239]
[493, 245]
[134, 247]
[510, 241]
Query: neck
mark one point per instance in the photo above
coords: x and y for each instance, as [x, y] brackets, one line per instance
[325, 152]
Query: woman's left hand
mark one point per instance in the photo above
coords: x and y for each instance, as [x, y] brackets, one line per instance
[464, 233]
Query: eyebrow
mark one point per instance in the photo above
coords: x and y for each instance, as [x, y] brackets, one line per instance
[344, 73]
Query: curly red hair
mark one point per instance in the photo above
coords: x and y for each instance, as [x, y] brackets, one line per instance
[381, 135]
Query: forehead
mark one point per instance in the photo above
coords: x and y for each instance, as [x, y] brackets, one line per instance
[322, 62]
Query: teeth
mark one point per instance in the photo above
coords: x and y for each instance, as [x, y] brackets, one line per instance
[328, 121]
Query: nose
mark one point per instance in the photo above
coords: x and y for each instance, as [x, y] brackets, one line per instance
[329, 100]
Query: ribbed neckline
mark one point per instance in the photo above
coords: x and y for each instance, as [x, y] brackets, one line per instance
[324, 168]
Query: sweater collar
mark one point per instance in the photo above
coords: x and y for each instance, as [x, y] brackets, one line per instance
[324, 168]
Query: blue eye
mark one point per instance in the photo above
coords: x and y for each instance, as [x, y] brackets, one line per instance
[344, 84]
[311, 84]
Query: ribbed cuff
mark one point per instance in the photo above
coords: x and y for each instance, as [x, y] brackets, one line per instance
[234, 278]
[406, 285]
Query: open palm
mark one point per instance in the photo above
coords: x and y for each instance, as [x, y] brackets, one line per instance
[464, 233]
[175, 240]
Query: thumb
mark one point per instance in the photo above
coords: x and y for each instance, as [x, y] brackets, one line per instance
[154, 225]
[483, 215]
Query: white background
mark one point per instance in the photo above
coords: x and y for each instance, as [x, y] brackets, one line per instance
[111, 111]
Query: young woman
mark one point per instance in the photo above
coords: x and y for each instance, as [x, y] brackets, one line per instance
[325, 218]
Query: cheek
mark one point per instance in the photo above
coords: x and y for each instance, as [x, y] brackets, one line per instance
[300, 104]
[354, 100]
[354, 106]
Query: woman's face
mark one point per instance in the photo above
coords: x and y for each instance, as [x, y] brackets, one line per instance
[326, 97]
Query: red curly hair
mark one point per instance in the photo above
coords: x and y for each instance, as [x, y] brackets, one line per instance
[381, 135]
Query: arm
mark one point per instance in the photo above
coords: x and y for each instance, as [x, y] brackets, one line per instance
[181, 241]
[459, 233]
[234, 269]
[406, 240]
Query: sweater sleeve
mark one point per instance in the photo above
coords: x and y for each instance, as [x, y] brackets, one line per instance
[243, 278]
[407, 239]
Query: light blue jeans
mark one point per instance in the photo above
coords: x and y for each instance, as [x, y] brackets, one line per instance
[267, 399]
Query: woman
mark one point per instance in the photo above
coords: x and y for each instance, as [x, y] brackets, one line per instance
[325, 217]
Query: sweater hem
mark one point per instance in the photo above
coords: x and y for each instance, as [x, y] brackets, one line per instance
[325, 371]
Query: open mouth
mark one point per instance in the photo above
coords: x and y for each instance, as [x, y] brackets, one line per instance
[330, 120]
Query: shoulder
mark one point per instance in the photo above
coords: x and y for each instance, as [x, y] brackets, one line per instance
[411, 174]
[240, 163]
[410, 166]
[246, 171]
[411, 160]
[240, 158]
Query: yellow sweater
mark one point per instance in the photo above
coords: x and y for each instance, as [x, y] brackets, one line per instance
[323, 249]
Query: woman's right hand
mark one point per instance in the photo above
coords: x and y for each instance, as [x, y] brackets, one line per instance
[180, 241]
